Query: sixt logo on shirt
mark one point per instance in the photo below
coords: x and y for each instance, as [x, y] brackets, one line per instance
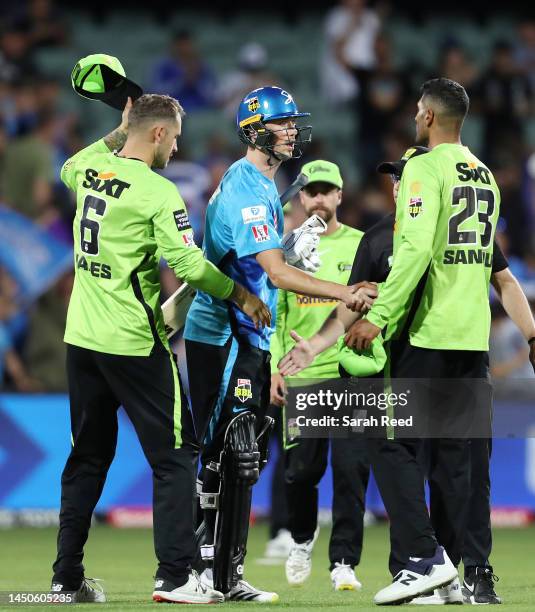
[471, 172]
[253, 214]
[305, 300]
[104, 182]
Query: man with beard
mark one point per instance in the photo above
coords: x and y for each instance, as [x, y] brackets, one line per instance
[373, 261]
[117, 348]
[306, 458]
[434, 310]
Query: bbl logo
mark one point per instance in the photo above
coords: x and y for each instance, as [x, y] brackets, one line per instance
[253, 105]
[243, 390]
[416, 206]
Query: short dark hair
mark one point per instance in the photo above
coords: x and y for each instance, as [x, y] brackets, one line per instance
[450, 95]
[154, 106]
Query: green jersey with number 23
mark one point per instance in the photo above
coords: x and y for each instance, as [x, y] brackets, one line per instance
[447, 209]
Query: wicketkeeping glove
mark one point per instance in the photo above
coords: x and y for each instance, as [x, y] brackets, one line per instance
[300, 245]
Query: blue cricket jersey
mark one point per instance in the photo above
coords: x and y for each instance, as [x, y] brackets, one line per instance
[244, 217]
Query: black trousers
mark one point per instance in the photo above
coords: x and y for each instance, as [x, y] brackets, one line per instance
[149, 390]
[223, 381]
[398, 469]
[279, 506]
[478, 537]
[306, 463]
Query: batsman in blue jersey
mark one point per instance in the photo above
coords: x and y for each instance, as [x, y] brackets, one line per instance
[227, 356]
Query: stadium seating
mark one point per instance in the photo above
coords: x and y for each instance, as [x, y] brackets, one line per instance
[294, 51]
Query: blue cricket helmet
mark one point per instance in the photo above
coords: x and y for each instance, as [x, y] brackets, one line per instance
[268, 102]
[261, 106]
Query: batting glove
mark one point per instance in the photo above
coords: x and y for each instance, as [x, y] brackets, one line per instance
[300, 245]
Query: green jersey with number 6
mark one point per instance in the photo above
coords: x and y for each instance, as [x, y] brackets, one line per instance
[438, 289]
[126, 216]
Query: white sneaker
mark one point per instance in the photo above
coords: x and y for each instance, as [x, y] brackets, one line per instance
[344, 579]
[193, 592]
[90, 591]
[418, 577]
[299, 562]
[450, 594]
[244, 591]
[279, 547]
[207, 577]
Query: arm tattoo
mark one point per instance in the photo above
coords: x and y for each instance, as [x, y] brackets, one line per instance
[115, 140]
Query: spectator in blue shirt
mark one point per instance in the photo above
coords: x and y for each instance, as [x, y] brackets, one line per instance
[184, 75]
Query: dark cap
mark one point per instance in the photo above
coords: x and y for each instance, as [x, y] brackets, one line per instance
[396, 167]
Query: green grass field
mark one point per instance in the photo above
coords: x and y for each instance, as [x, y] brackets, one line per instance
[124, 559]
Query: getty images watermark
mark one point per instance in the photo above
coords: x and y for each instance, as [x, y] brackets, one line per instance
[403, 408]
[362, 401]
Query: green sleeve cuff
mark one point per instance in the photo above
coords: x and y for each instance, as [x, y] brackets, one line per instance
[230, 289]
[376, 319]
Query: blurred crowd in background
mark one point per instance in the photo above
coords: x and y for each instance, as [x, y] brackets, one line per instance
[353, 69]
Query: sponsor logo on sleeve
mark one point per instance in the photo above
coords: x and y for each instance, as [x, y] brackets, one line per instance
[181, 220]
[187, 238]
[415, 207]
[253, 214]
[242, 390]
[260, 233]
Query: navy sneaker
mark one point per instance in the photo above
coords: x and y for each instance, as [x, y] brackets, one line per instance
[478, 586]
[419, 576]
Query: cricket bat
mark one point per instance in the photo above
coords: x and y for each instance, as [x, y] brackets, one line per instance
[175, 309]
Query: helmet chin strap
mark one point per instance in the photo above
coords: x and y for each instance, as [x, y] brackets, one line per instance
[275, 158]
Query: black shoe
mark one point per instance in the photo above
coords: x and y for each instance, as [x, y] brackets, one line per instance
[478, 586]
[90, 591]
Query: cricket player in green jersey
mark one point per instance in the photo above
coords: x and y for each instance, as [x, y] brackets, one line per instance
[306, 459]
[118, 353]
[434, 308]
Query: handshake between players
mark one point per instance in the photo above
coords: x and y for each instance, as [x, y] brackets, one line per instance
[300, 251]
